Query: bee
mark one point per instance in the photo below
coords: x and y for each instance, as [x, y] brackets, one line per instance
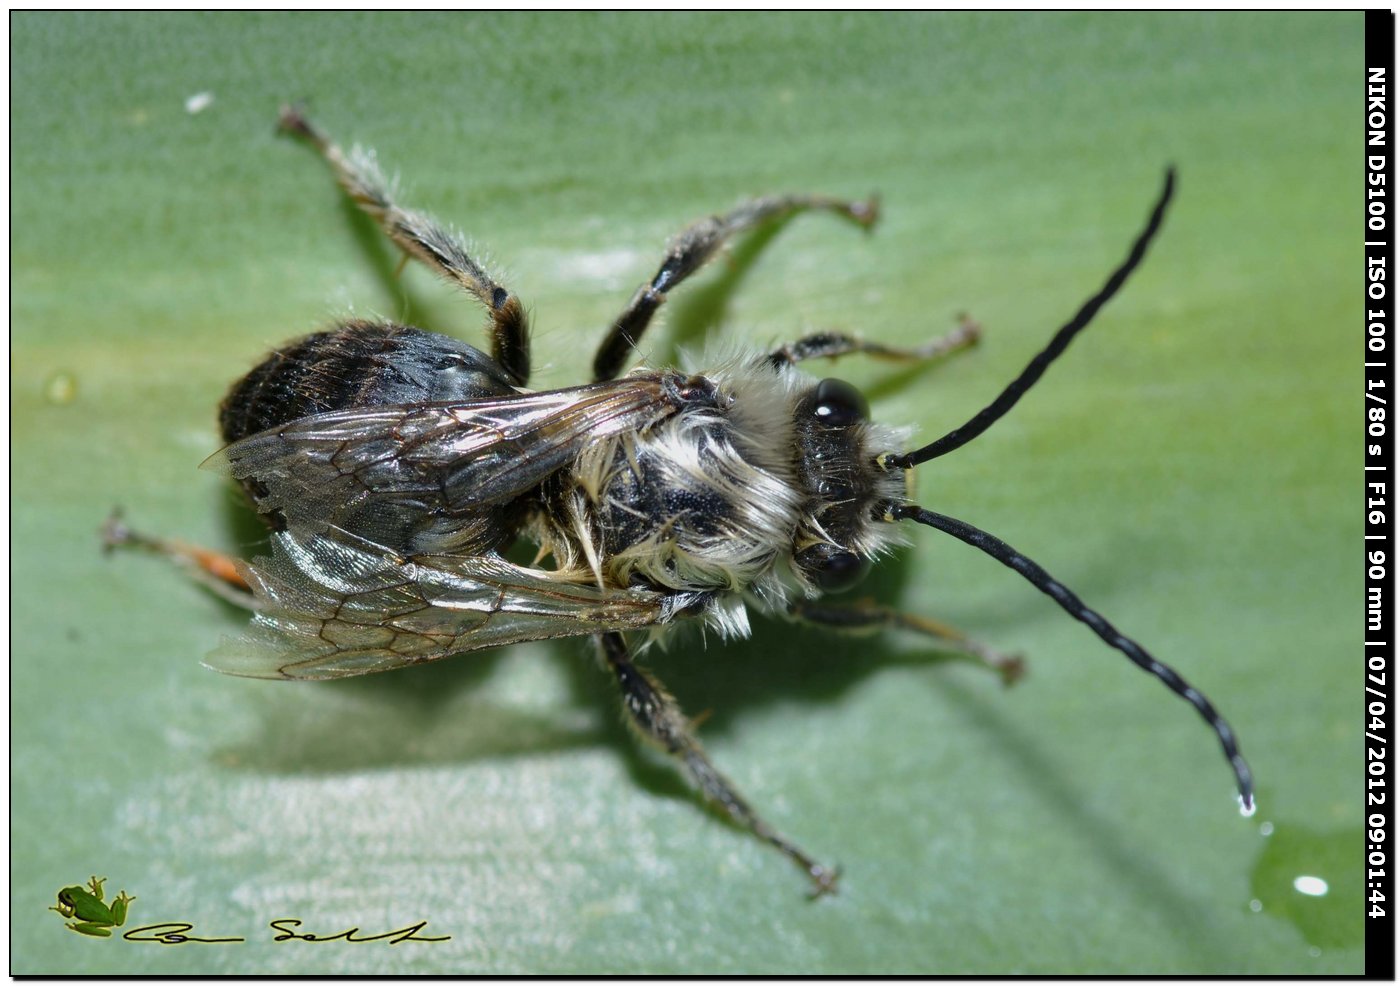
[396, 468]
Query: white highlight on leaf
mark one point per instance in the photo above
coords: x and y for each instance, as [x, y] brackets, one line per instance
[1313, 886]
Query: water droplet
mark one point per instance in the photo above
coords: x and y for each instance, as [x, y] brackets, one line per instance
[199, 102]
[1266, 829]
[61, 388]
[1313, 886]
[1315, 951]
[1309, 878]
[1247, 810]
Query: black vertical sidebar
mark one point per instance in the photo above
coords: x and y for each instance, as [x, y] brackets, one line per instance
[1378, 401]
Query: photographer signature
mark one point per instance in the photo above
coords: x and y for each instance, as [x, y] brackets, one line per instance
[178, 933]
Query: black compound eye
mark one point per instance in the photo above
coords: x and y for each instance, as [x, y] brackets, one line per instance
[832, 569]
[838, 403]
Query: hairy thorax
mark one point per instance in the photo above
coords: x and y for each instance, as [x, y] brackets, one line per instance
[703, 501]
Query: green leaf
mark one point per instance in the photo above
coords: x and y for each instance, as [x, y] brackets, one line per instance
[1189, 468]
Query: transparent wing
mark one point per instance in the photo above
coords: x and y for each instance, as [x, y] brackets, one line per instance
[331, 610]
[426, 478]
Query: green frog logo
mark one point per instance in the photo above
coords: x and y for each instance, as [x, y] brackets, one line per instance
[95, 917]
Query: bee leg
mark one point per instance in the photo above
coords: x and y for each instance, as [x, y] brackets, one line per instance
[657, 717]
[868, 616]
[219, 573]
[834, 344]
[422, 237]
[696, 245]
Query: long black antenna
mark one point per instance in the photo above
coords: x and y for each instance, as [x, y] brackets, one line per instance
[980, 422]
[1110, 634]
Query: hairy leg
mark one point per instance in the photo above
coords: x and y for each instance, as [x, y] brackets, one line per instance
[425, 239]
[217, 572]
[866, 616]
[657, 718]
[836, 344]
[689, 252]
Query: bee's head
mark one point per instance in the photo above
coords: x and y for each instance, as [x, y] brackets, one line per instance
[836, 448]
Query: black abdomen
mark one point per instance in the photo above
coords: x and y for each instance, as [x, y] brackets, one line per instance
[357, 364]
